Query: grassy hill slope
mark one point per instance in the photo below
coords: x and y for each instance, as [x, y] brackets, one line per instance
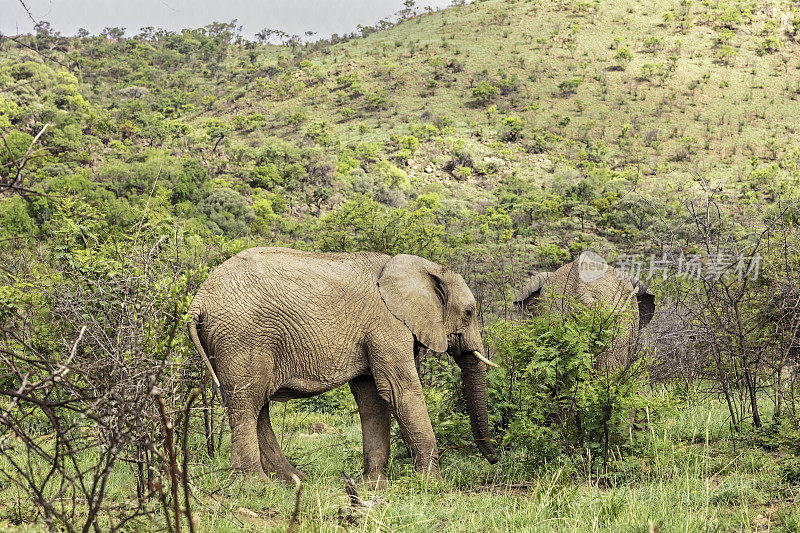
[664, 87]
[706, 86]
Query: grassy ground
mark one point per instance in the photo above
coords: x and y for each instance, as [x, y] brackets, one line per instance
[688, 475]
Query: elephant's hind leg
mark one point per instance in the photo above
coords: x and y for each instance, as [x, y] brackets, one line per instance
[272, 459]
[242, 413]
[375, 424]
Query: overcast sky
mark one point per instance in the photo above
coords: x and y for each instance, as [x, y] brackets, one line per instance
[293, 16]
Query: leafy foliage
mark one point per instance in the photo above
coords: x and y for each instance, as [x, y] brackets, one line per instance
[363, 224]
[564, 398]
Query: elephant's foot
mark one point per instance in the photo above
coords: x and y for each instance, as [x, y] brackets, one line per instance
[247, 471]
[287, 473]
[245, 460]
[428, 466]
[428, 469]
[373, 480]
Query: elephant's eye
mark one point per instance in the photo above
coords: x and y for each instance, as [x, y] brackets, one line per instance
[469, 313]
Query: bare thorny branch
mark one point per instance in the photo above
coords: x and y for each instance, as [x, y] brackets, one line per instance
[13, 181]
[91, 395]
[737, 331]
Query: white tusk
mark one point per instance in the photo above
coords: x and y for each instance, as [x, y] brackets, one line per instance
[481, 357]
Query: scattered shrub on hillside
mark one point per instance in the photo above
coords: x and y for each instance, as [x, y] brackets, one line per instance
[769, 45]
[623, 57]
[377, 100]
[226, 212]
[568, 87]
[318, 132]
[484, 93]
[215, 129]
[652, 44]
[507, 84]
[462, 173]
[248, 123]
[296, 118]
[724, 35]
[512, 128]
[408, 145]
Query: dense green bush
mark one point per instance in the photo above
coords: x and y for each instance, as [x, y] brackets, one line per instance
[563, 399]
[484, 93]
[513, 126]
[227, 212]
[363, 224]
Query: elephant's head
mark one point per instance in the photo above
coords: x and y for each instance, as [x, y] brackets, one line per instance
[439, 309]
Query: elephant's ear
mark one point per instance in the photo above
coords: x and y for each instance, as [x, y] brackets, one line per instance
[414, 292]
[647, 302]
[529, 294]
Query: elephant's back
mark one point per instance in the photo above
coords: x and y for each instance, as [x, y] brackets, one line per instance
[265, 284]
[587, 286]
[264, 271]
[278, 257]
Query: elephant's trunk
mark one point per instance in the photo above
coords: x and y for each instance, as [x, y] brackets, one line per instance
[473, 376]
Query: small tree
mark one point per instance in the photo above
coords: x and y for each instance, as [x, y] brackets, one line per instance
[568, 87]
[484, 93]
[736, 302]
[264, 35]
[513, 128]
[409, 9]
[623, 57]
[768, 46]
[725, 54]
[565, 397]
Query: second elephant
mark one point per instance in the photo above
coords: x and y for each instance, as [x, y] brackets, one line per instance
[587, 282]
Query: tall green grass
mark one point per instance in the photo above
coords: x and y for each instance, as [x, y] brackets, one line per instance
[689, 474]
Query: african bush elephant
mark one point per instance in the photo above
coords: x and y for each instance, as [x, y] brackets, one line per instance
[279, 324]
[587, 282]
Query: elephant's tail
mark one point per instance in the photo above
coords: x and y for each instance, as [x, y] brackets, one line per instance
[199, 347]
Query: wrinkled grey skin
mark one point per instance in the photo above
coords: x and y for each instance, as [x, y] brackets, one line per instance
[279, 324]
[589, 281]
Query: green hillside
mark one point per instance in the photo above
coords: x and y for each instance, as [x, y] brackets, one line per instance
[662, 87]
[453, 102]
[499, 138]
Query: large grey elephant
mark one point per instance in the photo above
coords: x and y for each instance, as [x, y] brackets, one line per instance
[278, 324]
[586, 282]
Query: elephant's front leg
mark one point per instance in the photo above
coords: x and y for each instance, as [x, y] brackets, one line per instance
[399, 385]
[375, 423]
